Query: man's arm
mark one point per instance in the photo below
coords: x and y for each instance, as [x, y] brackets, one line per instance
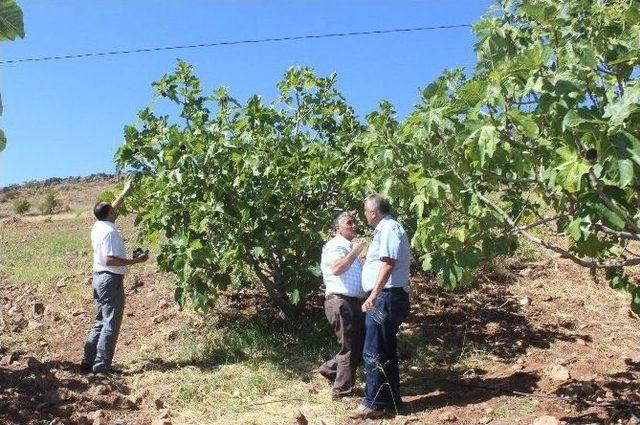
[117, 261]
[341, 265]
[118, 201]
[383, 276]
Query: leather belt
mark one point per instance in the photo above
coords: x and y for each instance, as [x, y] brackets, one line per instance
[341, 297]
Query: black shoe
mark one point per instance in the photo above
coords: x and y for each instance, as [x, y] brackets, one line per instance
[340, 397]
[85, 367]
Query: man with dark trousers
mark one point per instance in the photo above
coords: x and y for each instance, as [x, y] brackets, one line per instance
[110, 264]
[341, 271]
[385, 277]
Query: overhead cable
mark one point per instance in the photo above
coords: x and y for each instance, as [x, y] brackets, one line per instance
[233, 43]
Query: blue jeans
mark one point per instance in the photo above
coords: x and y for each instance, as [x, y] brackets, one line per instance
[108, 292]
[380, 353]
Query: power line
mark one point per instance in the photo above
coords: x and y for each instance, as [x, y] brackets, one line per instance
[233, 43]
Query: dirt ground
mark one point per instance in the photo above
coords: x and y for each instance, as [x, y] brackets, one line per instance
[504, 352]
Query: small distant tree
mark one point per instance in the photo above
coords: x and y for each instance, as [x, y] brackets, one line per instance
[20, 206]
[50, 204]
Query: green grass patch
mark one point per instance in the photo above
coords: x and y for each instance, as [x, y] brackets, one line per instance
[45, 253]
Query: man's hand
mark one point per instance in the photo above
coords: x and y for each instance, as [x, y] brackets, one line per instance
[369, 302]
[358, 247]
[142, 257]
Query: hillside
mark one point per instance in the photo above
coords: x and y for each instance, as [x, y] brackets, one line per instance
[534, 324]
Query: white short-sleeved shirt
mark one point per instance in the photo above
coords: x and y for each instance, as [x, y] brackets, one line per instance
[106, 241]
[389, 240]
[348, 283]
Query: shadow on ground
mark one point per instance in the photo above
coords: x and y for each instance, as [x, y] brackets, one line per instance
[35, 392]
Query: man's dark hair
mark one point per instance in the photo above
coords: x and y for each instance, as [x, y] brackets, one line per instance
[101, 210]
[379, 203]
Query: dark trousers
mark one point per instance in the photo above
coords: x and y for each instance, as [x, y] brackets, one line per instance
[380, 353]
[345, 316]
[108, 292]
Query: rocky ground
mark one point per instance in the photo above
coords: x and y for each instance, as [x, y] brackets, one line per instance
[536, 341]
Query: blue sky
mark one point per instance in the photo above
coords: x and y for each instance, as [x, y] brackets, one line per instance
[66, 118]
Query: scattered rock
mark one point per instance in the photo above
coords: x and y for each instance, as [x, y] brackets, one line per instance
[77, 313]
[164, 414]
[559, 373]
[124, 403]
[7, 359]
[493, 328]
[587, 388]
[62, 283]
[101, 390]
[546, 420]
[80, 419]
[525, 301]
[158, 403]
[37, 308]
[33, 363]
[96, 415]
[448, 417]
[34, 324]
[301, 419]
[18, 325]
[525, 272]
[581, 341]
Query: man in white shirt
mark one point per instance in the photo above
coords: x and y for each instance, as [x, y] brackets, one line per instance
[341, 271]
[385, 277]
[109, 267]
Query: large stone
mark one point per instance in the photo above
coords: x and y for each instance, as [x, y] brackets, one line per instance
[546, 420]
[559, 373]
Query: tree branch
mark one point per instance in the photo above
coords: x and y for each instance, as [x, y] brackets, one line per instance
[597, 186]
[563, 252]
[618, 233]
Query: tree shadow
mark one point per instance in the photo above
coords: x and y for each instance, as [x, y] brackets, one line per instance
[32, 391]
[295, 345]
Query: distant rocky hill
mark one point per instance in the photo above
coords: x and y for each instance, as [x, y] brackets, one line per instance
[91, 178]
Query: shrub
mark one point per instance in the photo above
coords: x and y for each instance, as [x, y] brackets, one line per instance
[50, 204]
[20, 206]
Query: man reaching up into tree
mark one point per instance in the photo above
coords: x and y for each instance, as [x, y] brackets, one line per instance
[109, 267]
[341, 270]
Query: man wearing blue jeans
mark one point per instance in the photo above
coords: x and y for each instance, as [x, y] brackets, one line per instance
[109, 267]
[385, 276]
